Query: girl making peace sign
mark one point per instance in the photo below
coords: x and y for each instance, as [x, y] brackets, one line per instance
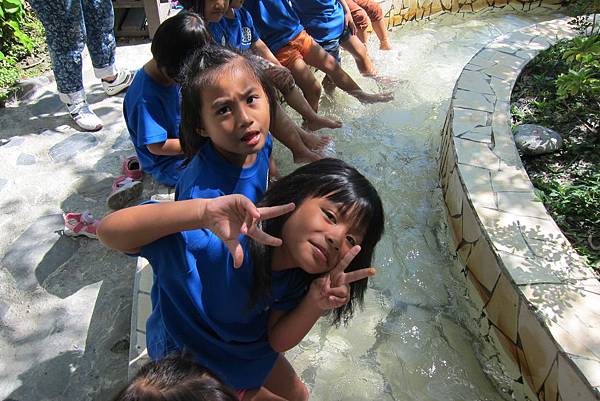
[237, 285]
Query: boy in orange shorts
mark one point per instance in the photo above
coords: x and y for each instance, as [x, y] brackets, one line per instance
[280, 28]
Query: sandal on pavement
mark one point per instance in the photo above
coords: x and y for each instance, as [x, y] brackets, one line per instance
[80, 224]
[132, 168]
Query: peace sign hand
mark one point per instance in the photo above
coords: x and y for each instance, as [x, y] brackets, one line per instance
[231, 215]
[332, 290]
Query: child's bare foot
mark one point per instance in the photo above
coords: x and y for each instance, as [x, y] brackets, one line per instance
[385, 45]
[321, 122]
[306, 156]
[364, 97]
[313, 141]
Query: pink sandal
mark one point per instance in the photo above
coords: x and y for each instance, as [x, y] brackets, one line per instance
[78, 224]
[132, 168]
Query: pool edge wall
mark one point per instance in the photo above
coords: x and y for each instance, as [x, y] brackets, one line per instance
[535, 300]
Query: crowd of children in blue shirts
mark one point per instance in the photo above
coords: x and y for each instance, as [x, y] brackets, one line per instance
[242, 268]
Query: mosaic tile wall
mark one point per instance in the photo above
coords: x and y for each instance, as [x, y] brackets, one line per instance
[532, 297]
[399, 12]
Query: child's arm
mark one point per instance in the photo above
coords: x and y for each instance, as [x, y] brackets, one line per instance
[348, 17]
[330, 291]
[227, 217]
[170, 147]
[260, 49]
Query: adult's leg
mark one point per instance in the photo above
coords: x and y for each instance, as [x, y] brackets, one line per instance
[98, 16]
[63, 22]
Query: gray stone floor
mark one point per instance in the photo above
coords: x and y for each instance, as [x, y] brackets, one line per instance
[65, 303]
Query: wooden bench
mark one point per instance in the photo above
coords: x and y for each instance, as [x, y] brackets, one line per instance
[139, 17]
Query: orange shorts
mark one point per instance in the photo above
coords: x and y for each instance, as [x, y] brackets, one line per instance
[296, 49]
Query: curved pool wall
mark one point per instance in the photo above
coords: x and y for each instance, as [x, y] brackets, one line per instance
[536, 300]
[417, 338]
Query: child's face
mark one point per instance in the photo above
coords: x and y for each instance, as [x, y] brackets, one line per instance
[317, 235]
[235, 113]
[236, 3]
[215, 9]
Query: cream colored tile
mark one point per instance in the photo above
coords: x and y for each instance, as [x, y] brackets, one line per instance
[478, 184]
[502, 72]
[590, 368]
[478, 294]
[538, 347]
[570, 385]
[478, 134]
[483, 265]
[521, 204]
[471, 228]
[503, 230]
[551, 384]
[471, 100]
[525, 371]
[510, 178]
[527, 54]
[481, 61]
[503, 308]
[465, 120]
[519, 39]
[454, 195]
[473, 67]
[527, 270]
[571, 313]
[475, 154]
[507, 353]
[474, 82]
[502, 89]
[456, 230]
[464, 250]
[560, 258]
[503, 46]
[144, 308]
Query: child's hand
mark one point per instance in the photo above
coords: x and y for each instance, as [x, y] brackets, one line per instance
[350, 23]
[231, 215]
[332, 290]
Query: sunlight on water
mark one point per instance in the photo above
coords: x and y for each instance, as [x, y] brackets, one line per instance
[409, 343]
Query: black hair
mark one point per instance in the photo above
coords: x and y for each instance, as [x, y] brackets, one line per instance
[200, 70]
[340, 183]
[175, 378]
[176, 38]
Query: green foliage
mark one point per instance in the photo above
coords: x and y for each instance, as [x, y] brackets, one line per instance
[560, 89]
[12, 15]
[576, 211]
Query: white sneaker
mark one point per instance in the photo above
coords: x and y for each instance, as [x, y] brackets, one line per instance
[84, 117]
[121, 82]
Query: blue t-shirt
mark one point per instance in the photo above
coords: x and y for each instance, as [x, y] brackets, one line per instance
[275, 21]
[152, 114]
[208, 170]
[239, 31]
[200, 304]
[322, 19]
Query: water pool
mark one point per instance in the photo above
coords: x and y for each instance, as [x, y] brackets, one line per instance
[411, 341]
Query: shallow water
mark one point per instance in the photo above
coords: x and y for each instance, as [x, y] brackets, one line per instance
[410, 342]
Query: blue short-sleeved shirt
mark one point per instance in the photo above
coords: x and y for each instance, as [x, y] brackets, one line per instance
[200, 304]
[238, 32]
[152, 114]
[275, 21]
[209, 170]
[322, 19]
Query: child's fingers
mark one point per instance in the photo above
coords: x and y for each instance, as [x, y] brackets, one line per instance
[336, 302]
[263, 237]
[251, 212]
[345, 261]
[275, 211]
[236, 252]
[341, 291]
[357, 275]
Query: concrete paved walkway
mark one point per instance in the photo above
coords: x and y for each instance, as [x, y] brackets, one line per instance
[65, 303]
